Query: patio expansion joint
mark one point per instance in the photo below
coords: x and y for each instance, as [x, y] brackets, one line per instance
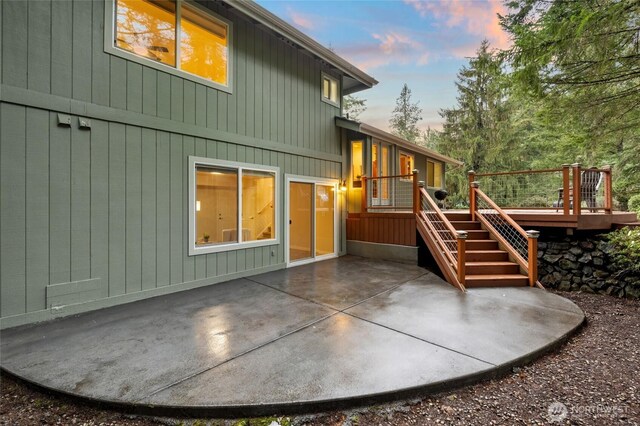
[259, 346]
[295, 295]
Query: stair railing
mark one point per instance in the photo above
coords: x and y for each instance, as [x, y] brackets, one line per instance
[447, 244]
[521, 245]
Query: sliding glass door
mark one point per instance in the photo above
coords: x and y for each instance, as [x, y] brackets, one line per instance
[312, 222]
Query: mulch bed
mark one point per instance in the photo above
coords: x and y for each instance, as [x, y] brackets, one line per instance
[594, 379]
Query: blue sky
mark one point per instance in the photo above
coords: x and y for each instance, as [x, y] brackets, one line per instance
[419, 42]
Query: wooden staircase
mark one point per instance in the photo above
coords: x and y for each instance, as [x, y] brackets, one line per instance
[486, 264]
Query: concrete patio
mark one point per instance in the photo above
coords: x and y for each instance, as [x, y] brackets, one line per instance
[332, 334]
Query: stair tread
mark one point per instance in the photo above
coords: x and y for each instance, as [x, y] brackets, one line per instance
[485, 251]
[495, 277]
[491, 263]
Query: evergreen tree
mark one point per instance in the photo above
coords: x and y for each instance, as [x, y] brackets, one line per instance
[353, 107]
[405, 116]
[478, 130]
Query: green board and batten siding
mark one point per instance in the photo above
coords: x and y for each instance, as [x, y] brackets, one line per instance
[94, 217]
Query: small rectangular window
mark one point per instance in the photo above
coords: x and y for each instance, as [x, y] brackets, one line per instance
[356, 164]
[434, 174]
[330, 90]
[232, 205]
[407, 163]
[197, 45]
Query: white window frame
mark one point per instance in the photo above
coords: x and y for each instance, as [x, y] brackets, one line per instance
[110, 47]
[239, 167]
[329, 77]
[336, 218]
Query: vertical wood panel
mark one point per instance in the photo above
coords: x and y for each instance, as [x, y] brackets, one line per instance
[61, 43]
[201, 106]
[259, 85]
[117, 213]
[14, 48]
[273, 89]
[163, 214]
[164, 95]
[118, 91]
[134, 87]
[82, 15]
[60, 202]
[176, 209]
[12, 200]
[200, 261]
[39, 46]
[149, 91]
[189, 265]
[222, 109]
[37, 208]
[133, 161]
[149, 229]
[80, 204]
[251, 87]
[100, 61]
[212, 108]
[189, 102]
[99, 201]
[240, 95]
[282, 95]
[177, 98]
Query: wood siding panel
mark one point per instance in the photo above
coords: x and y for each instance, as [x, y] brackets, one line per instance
[117, 210]
[100, 201]
[14, 48]
[149, 229]
[133, 208]
[80, 204]
[39, 46]
[82, 46]
[163, 212]
[384, 228]
[37, 208]
[12, 200]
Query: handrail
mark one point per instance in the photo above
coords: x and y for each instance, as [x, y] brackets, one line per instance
[502, 213]
[454, 257]
[394, 192]
[530, 244]
[517, 172]
[437, 210]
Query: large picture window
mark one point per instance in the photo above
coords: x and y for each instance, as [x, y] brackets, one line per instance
[174, 33]
[434, 174]
[232, 205]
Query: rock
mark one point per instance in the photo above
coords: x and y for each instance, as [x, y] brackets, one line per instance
[632, 291]
[585, 288]
[552, 258]
[568, 265]
[587, 270]
[570, 257]
[586, 258]
[575, 250]
[588, 245]
[542, 245]
[598, 261]
[576, 280]
[564, 286]
[601, 274]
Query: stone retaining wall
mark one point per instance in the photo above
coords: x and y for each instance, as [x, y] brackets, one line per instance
[583, 263]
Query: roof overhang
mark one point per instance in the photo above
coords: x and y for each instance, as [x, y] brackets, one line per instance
[376, 133]
[355, 79]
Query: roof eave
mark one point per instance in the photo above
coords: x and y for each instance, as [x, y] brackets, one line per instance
[271, 21]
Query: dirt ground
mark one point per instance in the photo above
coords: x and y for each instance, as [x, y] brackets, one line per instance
[594, 379]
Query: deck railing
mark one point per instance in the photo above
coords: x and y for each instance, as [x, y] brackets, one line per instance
[521, 245]
[570, 189]
[390, 193]
[450, 243]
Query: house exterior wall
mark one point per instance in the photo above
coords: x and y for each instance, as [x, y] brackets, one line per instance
[95, 217]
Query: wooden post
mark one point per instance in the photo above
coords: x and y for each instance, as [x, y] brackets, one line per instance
[472, 194]
[462, 255]
[532, 238]
[416, 192]
[566, 189]
[577, 185]
[363, 208]
[473, 205]
[608, 190]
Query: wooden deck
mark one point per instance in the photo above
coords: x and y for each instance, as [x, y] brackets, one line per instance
[549, 218]
[384, 228]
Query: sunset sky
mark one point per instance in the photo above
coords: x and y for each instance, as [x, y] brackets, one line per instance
[422, 43]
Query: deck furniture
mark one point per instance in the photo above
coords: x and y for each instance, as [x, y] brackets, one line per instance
[590, 182]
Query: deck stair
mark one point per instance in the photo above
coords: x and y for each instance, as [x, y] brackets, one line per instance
[472, 250]
[486, 265]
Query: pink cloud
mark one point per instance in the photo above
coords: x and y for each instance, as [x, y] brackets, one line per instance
[301, 21]
[477, 17]
[387, 48]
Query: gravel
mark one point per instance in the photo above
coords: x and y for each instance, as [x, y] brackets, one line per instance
[594, 379]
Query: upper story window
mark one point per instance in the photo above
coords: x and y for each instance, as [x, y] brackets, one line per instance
[407, 163]
[357, 163]
[434, 174]
[176, 34]
[330, 90]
